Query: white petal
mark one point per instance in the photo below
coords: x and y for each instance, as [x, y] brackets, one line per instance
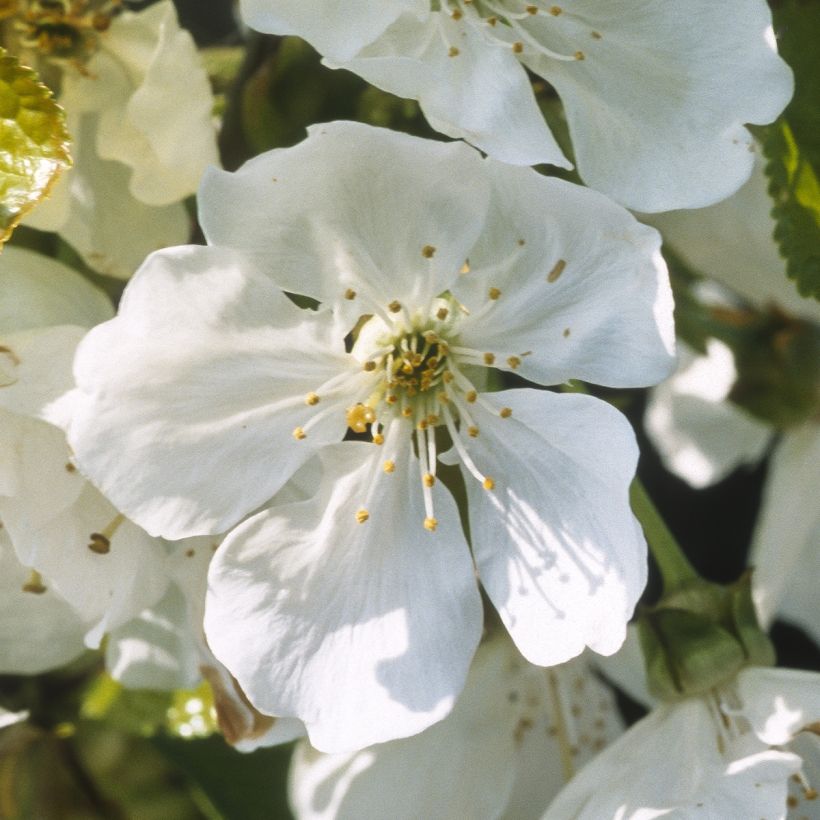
[701, 436]
[353, 207]
[113, 241]
[656, 108]
[35, 368]
[36, 471]
[156, 649]
[337, 30]
[584, 291]
[785, 551]
[105, 589]
[669, 764]
[363, 631]
[779, 702]
[733, 242]
[463, 766]
[187, 401]
[162, 126]
[557, 547]
[467, 85]
[38, 632]
[36, 291]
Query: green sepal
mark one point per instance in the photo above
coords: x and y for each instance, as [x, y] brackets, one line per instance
[700, 637]
[33, 142]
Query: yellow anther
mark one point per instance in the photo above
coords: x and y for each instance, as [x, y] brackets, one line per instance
[34, 583]
[453, 52]
[432, 419]
[579, 55]
[522, 242]
[407, 412]
[555, 10]
[442, 313]
[488, 483]
[532, 9]
[362, 516]
[430, 524]
[394, 306]
[369, 366]
[465, 268]
[493, 293]
[505, 412]
[350, 294]
[472, 431]
[99, 543]
[359, 416]
[456, 14]
[596, 35]
[378, 438]
[390, 398]
[492, 20]
[489, 358]
[430, 336]
[514, 362]
[312, 399]
[447, 376]
[443, 398]
[557, 270]
[422, 425]
[566, 332]
[299, 433]
[471, 396]
[429, 479]
[517, 47]
[389, 466]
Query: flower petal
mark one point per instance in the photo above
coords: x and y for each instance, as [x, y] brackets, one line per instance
[557, 547]
[584, 291]
[353, 208]
[109, 579]
[339, 31]
[113, 241]
[38, 631]
[656, 107]
[785, 553]
[701, 436]
[187, 401]
[779, 702]
[695, 780]
[362, 630]
[467, 86]
[36, 291]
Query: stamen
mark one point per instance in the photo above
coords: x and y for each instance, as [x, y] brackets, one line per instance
[389, 466]
[312, 399]
[100, 542]
[34, 583]
[299, 433]
[362, 516]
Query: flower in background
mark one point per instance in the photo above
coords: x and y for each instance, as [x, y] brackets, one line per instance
[138, 105]
[747, 749]
[702, 436]
[655, 94]
[515, 736]
[357, 609]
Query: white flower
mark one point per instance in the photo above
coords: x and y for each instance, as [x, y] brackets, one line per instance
[58, 523]
[655, 93]
[729, 754]
[139, 111]
[357, 609]
[514, 737]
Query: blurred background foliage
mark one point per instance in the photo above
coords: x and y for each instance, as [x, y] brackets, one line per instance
[91, 749]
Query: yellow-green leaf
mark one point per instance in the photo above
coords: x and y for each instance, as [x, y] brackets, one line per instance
[33, 142]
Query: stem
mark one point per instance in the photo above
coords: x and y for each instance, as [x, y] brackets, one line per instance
[674, 566]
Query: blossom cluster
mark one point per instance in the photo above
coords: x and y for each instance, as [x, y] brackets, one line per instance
[339, 460]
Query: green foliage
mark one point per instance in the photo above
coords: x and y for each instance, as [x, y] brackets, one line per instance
[792, 147]
[33, 142]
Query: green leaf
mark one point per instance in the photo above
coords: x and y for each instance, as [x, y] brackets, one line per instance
[792, 147]
[33, 142]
